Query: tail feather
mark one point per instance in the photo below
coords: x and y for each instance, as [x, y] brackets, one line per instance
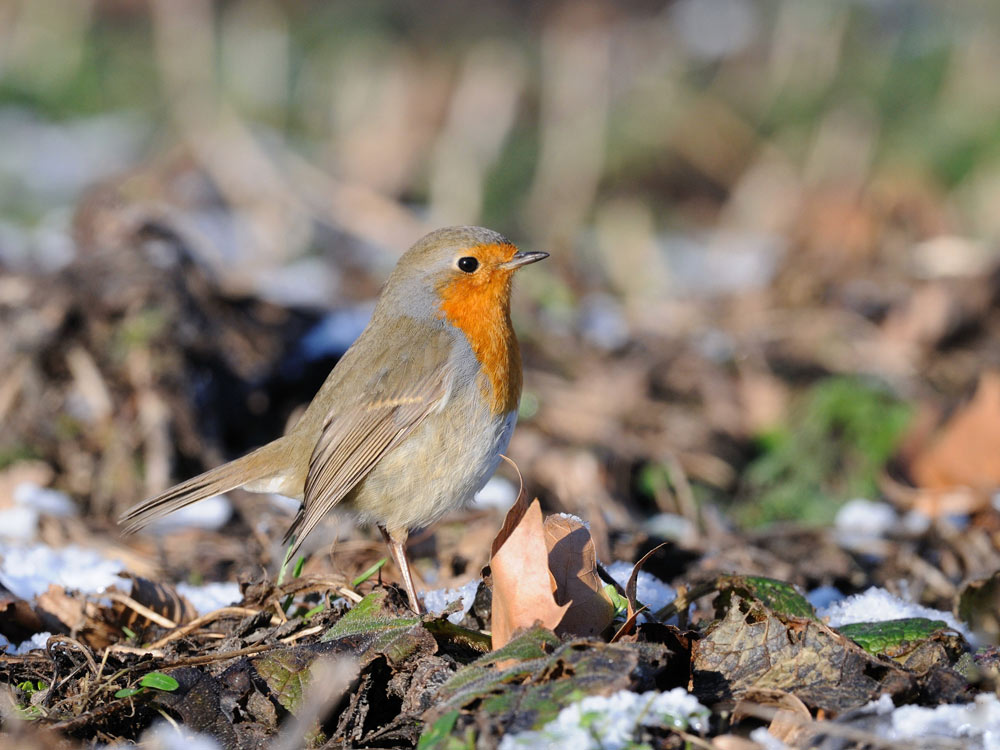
[254, 466]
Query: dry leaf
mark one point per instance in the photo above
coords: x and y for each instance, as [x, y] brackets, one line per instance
[965, 453]
[791, 723]
[160, 597]
[573, 565]
[522, 585]
[62, 612]
[634, 607]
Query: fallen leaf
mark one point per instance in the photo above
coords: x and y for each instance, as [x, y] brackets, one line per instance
[522, 584]
[160, 597]
[791, 720]
[62, 612]
[573, 565]
[979, 606]
[965, 452]
[635, 608]
[752, 648]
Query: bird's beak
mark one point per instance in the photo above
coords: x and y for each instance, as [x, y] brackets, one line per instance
[523, 259]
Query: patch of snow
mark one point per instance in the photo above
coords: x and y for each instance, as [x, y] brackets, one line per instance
[37, 641]
[721, 262]
[211, 513]
[30, 501]
[210, 596]
[978, 721]
[877, 604]
[865, 519]
[916, 523]
[307, 282]
[332, 335]
[19, 522]
[46, 500]
[824, 596]
[498, 493]
[766, 740]
[610, 723]
[650, 590]
[669, 526]
[882, 705]
[164, 736]
[602, 322]
[27, 571]
[283, 502]
[436, 600]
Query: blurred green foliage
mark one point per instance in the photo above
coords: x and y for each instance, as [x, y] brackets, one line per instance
[838, 439]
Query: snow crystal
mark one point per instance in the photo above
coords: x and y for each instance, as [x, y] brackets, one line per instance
[865, 519]
[164, 736]
[211, 513]
[650, 590]
[30, 501]
[435, 601]
[498, 493]
[44, 499]
[979, 721]
[611, 723]
[19, 522]
[37, 641]
[670, 526]
[876, 605]
[577, 519]
[332, 335]
[766, 740]
[824, 596]
[27, 571]
[210, 596]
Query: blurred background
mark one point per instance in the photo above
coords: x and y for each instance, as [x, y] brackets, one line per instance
[773, 227]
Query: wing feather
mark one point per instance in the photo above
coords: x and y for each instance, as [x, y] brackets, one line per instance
[353, 441]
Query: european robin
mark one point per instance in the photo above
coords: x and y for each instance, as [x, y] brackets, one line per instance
[413, 419]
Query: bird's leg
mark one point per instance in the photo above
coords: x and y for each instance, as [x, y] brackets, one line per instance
[396, 541]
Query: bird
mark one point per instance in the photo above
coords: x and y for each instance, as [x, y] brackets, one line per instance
[415, 416]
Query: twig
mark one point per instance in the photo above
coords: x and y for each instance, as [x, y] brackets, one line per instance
[199, 621]
[209, 658]
[302, 634]
[55, 640]
[142, 609]
[354, 596]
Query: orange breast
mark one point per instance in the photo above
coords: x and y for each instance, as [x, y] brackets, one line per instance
[479, 305]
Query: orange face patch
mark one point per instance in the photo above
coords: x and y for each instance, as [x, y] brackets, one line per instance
[479, 305]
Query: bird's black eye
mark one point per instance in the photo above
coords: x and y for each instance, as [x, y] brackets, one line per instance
[468, 264]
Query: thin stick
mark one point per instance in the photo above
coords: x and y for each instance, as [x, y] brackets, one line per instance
[199, 621]
[142, 609]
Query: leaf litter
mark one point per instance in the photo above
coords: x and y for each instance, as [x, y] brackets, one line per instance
[758, 415]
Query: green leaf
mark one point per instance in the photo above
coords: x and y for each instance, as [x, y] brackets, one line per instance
[778, 596]
[620, 602]
[287, 674]
[438, 736]
[366, 617]
[159, 681]
[888, 635]
[314, 611]
[369, 573]
[284, 563]
[127, 692]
